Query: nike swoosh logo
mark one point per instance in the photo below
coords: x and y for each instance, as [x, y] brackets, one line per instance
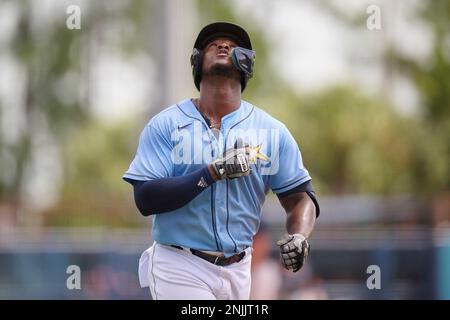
[181, 126]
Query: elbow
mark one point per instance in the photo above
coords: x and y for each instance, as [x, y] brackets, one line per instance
[149, 208]
[142, 203]
[150, 203]
[144, 210]
[145, 213]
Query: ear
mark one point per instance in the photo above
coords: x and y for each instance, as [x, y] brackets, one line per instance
[196, 58]
[196, 65]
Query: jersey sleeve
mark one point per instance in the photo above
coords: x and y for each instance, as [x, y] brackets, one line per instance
[153, 157]
[291, 171]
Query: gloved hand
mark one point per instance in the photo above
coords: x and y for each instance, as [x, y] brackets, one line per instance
[294, 250]
[234, 163]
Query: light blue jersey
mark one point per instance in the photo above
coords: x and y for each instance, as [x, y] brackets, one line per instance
[226, 215]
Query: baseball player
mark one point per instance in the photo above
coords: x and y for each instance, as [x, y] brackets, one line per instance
[202, 170]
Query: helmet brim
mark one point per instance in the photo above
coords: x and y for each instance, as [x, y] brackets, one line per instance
[223, 29]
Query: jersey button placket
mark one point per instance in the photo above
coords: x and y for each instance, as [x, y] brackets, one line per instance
[220, 213]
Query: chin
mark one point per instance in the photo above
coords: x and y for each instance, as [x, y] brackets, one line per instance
[222, 69]
[222, 62]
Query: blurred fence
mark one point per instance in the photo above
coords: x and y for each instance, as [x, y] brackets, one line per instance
[414, 259]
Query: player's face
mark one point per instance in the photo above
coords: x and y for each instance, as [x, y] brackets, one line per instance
[218, 52]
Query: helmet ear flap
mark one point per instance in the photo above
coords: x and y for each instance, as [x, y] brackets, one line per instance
[243, 60]
[196, 65]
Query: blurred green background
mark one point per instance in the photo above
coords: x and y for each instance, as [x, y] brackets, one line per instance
[370, 110]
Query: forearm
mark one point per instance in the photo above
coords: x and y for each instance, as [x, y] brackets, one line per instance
[301, 214]
[168, 194]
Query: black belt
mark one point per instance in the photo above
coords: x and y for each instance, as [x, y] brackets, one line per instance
[217, 260]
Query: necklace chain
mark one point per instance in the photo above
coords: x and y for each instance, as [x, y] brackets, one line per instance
[212, 125]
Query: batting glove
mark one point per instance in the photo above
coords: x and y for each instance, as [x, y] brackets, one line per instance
[234, 163]
[294, 250]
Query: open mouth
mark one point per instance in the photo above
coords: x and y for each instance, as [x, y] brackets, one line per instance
[222, 53]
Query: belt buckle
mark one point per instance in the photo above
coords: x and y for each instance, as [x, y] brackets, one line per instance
[239, 256]
[218, 260]
[235, 258]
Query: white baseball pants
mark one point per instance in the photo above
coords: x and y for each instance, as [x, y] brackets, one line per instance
[174, 274]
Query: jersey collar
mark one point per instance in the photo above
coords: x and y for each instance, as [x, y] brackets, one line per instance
[228, 121]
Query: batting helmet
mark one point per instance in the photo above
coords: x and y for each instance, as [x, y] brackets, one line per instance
[243, 56]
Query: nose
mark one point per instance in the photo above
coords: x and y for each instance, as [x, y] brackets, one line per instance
[224, 45]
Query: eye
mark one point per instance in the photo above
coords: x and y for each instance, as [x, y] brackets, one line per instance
[211, 45]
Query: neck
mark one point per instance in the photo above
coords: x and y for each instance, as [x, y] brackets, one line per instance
[219, 98]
